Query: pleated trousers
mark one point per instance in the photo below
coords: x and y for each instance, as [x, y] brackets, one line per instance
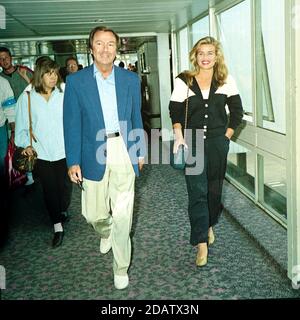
[108, 204]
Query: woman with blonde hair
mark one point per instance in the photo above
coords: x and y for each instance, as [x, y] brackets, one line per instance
[205, 90]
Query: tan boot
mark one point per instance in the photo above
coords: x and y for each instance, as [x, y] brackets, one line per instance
[211, 236]
[201, 259]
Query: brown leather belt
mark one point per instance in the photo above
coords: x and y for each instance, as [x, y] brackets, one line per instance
[112, 135]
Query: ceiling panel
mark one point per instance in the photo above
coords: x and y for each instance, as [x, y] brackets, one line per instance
[44, 18]
[47, 26]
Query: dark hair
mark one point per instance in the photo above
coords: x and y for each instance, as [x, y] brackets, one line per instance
[121, 64]
[41, 59]
[3, 49]
[105, 29]
[44, 66]
[71, 58]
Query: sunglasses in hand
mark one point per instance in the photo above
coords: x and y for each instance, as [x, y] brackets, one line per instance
[79, 183]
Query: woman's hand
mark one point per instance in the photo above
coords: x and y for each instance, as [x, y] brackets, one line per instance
[178, 142]
[141, 163]
[28, 151]
[229, 133]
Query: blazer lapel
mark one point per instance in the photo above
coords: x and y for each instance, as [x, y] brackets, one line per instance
[90, 85]
[121, 93]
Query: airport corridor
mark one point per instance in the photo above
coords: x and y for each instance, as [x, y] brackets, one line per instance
[163, 261]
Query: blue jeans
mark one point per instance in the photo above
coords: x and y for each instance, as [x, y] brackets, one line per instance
[3, 148]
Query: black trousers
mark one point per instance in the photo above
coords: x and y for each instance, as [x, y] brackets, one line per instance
[56, 185]
[205, 189]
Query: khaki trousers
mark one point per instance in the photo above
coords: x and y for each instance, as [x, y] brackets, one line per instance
[108, 204]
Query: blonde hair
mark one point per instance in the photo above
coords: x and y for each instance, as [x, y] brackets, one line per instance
[220, 69]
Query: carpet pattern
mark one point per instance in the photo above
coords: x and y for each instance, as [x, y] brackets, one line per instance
[163, 261]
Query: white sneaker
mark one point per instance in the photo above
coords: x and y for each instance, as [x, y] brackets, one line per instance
[105, 245]
[121, 282]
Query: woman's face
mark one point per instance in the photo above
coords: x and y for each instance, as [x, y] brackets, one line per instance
[50, 80]
[206, 56]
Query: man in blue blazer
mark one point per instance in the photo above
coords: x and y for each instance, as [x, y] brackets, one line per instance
[105, 146]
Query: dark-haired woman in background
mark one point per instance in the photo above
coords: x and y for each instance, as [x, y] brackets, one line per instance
[210, 90]
[46, 98]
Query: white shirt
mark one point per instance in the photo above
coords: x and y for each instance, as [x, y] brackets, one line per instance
[108, 98]
[205, 94]
[47, 124]
[7, 102]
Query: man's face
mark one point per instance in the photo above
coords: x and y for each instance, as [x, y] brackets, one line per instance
[104, 48]
[72, 66]
[5, 60]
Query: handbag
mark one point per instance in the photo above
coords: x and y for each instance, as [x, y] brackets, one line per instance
[15, 178]
[178, 159]
[24, 162]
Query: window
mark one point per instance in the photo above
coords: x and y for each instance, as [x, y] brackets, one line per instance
[200, 29]
[241, 167]
[274, 185]
[235, 35]
[183, 50]
[273, 65]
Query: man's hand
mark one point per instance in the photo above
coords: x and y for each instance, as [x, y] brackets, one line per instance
[23, 73]
[74, 173]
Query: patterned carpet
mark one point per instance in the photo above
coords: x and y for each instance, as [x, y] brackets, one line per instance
[163, 262]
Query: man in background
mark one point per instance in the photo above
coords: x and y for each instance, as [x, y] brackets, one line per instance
[18, 76]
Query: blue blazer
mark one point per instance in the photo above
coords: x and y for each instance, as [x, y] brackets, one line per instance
[84, 127]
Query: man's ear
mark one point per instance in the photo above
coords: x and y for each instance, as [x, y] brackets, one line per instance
[91, 52]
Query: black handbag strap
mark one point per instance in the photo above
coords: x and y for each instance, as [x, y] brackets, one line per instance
[31, 135]
[186, 110]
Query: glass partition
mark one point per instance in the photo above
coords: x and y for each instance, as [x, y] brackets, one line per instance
[241, 167]
[273, 65]
[274, 186]
[236, 41]
[183, 50]
[200, 29]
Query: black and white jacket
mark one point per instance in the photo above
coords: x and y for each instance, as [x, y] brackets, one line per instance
[208, 114]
